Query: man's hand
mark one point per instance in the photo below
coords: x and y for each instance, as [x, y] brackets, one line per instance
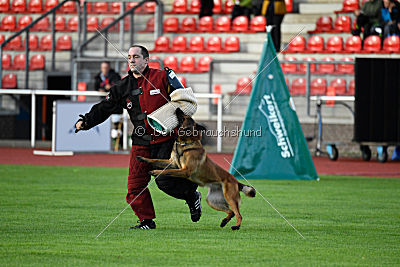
[80, 124]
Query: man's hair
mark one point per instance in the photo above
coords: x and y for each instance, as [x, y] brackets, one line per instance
[144, 51]
[106, 62]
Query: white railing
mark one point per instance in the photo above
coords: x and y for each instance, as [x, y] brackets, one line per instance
[34, 93]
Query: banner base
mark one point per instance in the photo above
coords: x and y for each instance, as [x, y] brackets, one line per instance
[52, 153]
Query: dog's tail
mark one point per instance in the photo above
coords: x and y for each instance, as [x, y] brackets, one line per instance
[247, 190]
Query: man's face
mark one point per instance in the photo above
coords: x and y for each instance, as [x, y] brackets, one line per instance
[105, 68]
[137, 63]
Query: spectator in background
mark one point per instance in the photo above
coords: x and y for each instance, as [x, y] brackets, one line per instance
[390, 18]
[368, 17]
[206, 8]
[274, 11]
[105, 78]
[242, 8]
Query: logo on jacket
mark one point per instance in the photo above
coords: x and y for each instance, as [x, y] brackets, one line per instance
[128, 104]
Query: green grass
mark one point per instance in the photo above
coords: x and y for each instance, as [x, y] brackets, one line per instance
[51, 216]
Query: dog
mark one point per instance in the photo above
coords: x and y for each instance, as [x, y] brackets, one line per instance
[189, 160]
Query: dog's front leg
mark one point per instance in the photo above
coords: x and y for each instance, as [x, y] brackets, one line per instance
[158, 163]
[180, 173]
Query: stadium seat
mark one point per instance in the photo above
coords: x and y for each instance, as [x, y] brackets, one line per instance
[161, 44]
[107, 21]
[131, 5]
[303, 67]
[243, 86]
[4, 6]
[182, 80]
[315, 44]
[289, 67]
[223, 24]
[92, 24]
[72, 25]
[345, 68]
[179, 6]
[195, 6]
[37, 62]
[318, 86]
[149, 7]
[9, 81]
[33, 42]
[205, 24]
[391, 44]
[188, 24]
[352, 88]
[323, 24]
[298, 87]
[24, 21]
[19, 62]
[14, 44]
[187, 64]
[42, 25]
[100, 7]
[171, 62]
[297, 45]
[82, 87]
[35, 6]
[203, 65]
[214, 44]
[154, 64]
[8, 23]
[372, 44]
[49, 4]
[115, 7]
[228, 6]
[46, 42]
[196, 44]
[342, 24]
[217, 9]
[326, 68]
[258, 23]
[68, 8]
[348, 6]
[6, 61]
[64, 42]
[231, 44]
[179, 44]
[2, 38]
[149, 25]
[353, 44]
[18, 6]
[340, 86]
[60, 24]
[334, 44]
[171, 24]
[240, 24]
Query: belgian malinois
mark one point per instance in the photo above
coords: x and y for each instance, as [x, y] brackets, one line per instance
[189, 160]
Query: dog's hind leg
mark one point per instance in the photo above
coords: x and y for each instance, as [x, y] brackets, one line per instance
[216, 200]
[232, 196]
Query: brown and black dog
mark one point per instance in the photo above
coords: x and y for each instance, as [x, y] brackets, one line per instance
[189, 161]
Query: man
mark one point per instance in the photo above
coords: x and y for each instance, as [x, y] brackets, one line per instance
[106, 78]
[367, 18]
[141, 92]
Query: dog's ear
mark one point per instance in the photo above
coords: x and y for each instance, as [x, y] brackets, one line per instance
[180, 115]
[200, 127]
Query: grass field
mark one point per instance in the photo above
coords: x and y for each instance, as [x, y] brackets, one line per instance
[51, 216]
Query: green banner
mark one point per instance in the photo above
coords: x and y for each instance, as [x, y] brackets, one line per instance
[280, 151]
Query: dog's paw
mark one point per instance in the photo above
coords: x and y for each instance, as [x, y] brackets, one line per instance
[224, 222]
[235, 227]
[139, 158]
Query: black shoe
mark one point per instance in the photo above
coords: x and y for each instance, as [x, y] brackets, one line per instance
[195, 207]
[145, 225]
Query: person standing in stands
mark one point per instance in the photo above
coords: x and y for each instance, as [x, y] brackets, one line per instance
[242, 8]
[206, 8]
[367, 17]
[390, 18]
[106, 78]
[274, 11]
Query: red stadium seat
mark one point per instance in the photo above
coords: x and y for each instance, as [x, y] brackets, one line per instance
[154, 64]
[205, 24]
[49, 4]
[92, 24]
[298, 87]
[9, 81]
[42, 25]
[8, 23]
[179, 6]
[318, 86]
[2, 38]
[35, 6]
[258, 24]
[298, 44]
[232, 44]
[161, 44]
[179, 44]
[315, 44]
[372, 44]
[107, 21]
[46, 42]
[60, 24]
[19, 62]
[196, 44]
[195, 6]
[326, 68]
[214, 44]
[100, 7]
[14, 44]
[4, 6]
[115, 7]
[149, 25]
[37, 62]
[303, 67]
[171, 62]
[340, 86]
[131, 5]
[171, 24]
[346, 68]
[187, 64]
[353, 44]
[24, 21]
[82, 86]
[243, 86]
[64, 43]
[182, 80]
[352, 88]
[223, 24]
[188, 24]
[33, 42]
[18, 6]
[334, 44]
[240, 24]
[323, 24]
[72, 24]
[217, 7]
[348, 6]
[6, 61]
[203, 65]
[68, 8]
[391, 44]
[149, 7]
[289, 67]
[228, 7]
[343, 24]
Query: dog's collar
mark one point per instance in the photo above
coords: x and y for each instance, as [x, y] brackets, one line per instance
[184, 144]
